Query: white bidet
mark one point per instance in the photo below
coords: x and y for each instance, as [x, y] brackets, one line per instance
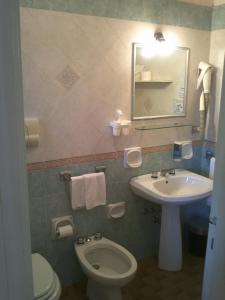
[108, 267]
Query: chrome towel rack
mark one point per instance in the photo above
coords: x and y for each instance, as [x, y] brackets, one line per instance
[66, 175]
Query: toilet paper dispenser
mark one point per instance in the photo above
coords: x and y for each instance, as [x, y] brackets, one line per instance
[62, 227]
[32, 132]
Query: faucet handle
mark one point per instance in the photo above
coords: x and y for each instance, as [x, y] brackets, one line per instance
[154, 174]
[80, 240]
[166, 172]
[163, 172]
[172, 172]
[98, 236]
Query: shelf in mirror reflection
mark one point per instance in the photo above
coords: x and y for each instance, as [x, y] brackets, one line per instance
[161, 126]
[154, 81]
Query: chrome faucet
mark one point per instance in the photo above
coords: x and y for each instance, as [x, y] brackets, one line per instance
[98, 236]
[165, 172]
[80, 240]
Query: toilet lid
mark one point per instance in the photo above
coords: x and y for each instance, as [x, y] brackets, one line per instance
[43, 276]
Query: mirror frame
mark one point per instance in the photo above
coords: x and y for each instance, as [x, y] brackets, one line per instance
[134, 54]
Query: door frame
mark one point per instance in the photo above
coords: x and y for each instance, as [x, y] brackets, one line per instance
[15, 251]
[214, 273]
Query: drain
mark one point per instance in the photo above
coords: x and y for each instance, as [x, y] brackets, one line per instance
[97, 267]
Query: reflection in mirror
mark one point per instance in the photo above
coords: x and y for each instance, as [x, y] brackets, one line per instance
[159, 83]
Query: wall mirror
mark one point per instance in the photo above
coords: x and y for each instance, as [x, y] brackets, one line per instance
[159, 83]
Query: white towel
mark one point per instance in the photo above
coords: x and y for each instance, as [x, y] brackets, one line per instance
[206, 82]
[77, 192]
[95, 190]
[202, 102]
[202, 68]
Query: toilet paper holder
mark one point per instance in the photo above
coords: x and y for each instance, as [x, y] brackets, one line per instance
[61, 222]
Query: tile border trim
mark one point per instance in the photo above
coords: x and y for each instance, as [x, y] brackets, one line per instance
[157, 12]
[95, 157]
[218, 17]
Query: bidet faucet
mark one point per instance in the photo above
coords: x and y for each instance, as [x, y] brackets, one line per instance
[165, 172]
[98, 236]
[80, 240]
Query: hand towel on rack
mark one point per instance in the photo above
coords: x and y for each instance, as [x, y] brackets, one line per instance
[77, 190]
[95, 190]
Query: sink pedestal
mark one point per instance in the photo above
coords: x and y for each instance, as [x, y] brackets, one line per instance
[170, 249]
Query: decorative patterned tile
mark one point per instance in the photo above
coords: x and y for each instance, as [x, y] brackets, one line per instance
[68, 77]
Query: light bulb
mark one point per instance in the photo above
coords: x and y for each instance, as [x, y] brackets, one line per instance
[148, 51]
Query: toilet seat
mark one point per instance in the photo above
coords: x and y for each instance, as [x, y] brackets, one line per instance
[45, 281]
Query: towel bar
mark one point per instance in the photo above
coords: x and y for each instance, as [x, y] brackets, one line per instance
[66, 175]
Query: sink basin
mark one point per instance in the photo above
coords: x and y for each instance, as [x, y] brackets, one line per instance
[183, 188]
[171, 192]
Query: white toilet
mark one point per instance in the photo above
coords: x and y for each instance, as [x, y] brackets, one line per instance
[45, 280]
[108, 267]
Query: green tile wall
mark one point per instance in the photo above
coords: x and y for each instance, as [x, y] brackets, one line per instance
[169, 12]
[49, 198]
[218, 17]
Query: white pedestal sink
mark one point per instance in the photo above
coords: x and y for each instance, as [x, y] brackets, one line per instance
[171, 192]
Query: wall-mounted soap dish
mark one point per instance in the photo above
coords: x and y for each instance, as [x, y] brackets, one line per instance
[132, 157]
[117, 210]
[182, 150]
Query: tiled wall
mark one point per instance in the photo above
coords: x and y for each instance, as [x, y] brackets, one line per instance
[198, 14]
[218, 17]
[49, 198]
[170, 12]
[77, 72]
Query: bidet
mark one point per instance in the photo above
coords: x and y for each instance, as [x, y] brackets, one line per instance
[107, 265]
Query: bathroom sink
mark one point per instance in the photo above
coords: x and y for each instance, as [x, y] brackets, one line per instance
[182, 188]
[172, 191]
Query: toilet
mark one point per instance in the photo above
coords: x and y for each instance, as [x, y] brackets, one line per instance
[45, 281]
[108, 267]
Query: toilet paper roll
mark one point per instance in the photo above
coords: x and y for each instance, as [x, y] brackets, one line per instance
[146, 76]
[65, 231]
[32, 140]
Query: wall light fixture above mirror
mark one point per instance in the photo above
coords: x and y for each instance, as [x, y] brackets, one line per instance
[159, 80]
